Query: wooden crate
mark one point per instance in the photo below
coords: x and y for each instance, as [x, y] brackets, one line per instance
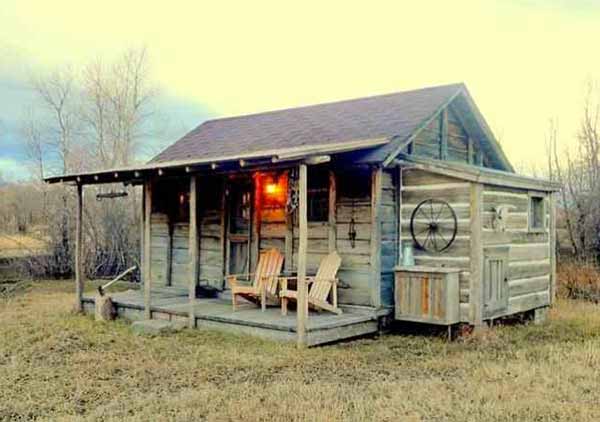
[427, 294]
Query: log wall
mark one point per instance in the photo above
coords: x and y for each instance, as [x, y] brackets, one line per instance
[530, 259]
[417, 186]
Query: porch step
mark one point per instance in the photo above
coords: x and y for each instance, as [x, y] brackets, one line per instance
[156, 327]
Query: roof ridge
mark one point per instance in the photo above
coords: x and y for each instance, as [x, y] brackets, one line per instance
[458, 85]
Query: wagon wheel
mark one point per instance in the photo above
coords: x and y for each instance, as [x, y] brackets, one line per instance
[433, 225]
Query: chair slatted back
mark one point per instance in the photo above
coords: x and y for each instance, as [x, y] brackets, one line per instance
[269, 265]
[327, 271]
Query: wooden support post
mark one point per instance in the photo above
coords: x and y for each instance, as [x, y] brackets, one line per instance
[476, 245]
[193, 248]
[223, 233]
[376, 188]
[399, 216]
[254, 245]
[332, 232]
[78, 250]
[302, 313]
[147, 248]
[142, 233]
[444, 134]
[552, 244]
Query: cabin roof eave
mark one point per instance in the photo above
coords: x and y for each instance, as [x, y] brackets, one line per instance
[284, 155]
[478, 174]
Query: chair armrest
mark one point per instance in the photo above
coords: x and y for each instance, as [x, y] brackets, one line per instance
[232, 279]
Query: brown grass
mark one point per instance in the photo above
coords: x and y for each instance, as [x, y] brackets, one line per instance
[17, 245]
[579, 280]
[58, 366]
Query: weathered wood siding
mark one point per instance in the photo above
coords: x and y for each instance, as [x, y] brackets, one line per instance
[529, 261]
[211, 258]
[160, 245]
[355, 271]
[427, 141]
[170, 245]
[446, 138]
[180, 272]
[417, 186]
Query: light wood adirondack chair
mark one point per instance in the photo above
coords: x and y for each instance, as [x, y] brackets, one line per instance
[319, 286]
[264, 284]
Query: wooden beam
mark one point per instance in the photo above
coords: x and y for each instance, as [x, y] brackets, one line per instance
[302, 312]
[224, 228]
[399, 216]
[318, 159]
[78, 251]
[142, 234]
[254, 239]
[193, 248]
[376, 189]
[331, 218]
[476, 259]
[147, 248]
[444, 134]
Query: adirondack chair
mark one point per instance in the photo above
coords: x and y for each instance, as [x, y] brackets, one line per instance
[319, 286]
[264, 280]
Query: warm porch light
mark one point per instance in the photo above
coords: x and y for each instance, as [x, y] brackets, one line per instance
[271, 188]
[274, 189]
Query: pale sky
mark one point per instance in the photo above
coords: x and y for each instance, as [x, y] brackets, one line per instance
[524, 62]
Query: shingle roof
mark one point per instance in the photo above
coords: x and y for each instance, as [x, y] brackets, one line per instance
[384, 116]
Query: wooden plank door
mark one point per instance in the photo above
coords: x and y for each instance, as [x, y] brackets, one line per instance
[239, 227]
[495, 281]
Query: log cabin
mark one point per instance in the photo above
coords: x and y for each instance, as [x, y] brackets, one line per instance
[411, 189]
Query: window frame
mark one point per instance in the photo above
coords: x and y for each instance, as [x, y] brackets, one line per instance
[322, 192]
[531, 199]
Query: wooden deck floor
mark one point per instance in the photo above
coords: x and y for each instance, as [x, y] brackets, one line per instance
[217, 313]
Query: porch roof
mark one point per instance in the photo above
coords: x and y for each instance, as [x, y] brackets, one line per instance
[231, 162]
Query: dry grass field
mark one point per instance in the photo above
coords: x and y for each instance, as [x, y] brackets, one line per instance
[58, 366]
[17, 245]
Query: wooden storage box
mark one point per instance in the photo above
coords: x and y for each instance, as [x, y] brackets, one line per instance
[427, 294]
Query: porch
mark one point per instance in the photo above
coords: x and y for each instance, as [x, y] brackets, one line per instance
[173, 304]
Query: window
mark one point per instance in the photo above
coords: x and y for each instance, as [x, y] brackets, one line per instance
[318, 195]
[537, 213]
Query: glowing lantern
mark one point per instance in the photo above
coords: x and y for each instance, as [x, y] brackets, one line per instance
[271, 188]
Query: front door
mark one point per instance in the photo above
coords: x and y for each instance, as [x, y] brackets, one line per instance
[239, 226]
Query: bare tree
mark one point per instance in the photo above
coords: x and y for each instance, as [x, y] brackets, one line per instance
[119, 103]
[579, 174]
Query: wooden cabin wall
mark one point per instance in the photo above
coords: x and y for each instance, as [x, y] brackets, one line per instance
[160, 247]
[389, 233]
[354, 204]
[180, 272]
[458, 140]
[459, 147]
[427, 141]
[211, 234]
[170, 243]
[419, 185]
[530, 257]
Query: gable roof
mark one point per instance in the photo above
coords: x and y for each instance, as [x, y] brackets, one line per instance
[391, 116]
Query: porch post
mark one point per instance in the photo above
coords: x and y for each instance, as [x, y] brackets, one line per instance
[375, 258]
[193, 248]
[147, 247]
[78, 249]
[302, 312]
[331, 218]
